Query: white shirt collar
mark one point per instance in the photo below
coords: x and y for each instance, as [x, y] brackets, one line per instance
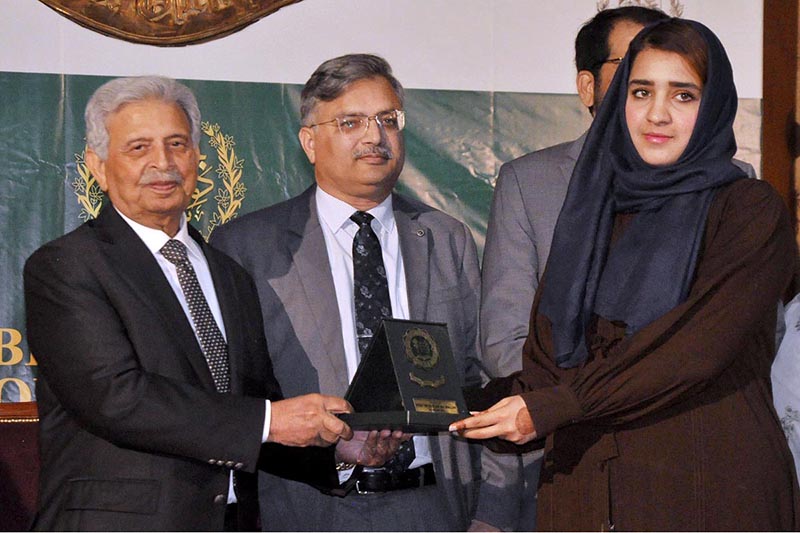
[336, 213]
[155, 239]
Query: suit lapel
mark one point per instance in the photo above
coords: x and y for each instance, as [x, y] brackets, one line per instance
[136, 267]
[415, 245]
[310, 257]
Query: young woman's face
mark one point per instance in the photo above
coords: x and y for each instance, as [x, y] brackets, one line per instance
[664, 95]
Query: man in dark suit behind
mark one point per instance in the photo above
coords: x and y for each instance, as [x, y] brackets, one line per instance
[302, 255]
[156, 394]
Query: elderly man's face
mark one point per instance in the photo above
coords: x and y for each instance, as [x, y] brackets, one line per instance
[151, 168]
[363, 169]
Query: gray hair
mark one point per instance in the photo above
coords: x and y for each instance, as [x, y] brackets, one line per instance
[333, 76]
[112, 95]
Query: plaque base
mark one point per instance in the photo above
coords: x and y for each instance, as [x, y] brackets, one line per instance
[408, 421]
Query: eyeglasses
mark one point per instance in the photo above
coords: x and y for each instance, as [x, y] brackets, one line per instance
[612, 60]
[356, 126]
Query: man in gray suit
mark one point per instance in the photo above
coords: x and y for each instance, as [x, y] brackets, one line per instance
[527, 200]
[305, 258]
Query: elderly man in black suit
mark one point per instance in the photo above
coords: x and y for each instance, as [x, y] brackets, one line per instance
[157, 397]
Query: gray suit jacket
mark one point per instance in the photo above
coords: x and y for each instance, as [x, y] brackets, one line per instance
[528, 196]
[283, 248]
[527, 199]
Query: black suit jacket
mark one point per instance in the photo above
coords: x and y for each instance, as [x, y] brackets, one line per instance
[133, 434]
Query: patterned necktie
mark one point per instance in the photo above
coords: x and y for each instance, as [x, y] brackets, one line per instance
[370, 288]
[371, 297]
[212, 342]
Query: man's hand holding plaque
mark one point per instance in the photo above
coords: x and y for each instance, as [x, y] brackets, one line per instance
[370, 448]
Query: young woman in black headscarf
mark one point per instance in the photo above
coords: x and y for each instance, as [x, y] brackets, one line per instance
[646, 369]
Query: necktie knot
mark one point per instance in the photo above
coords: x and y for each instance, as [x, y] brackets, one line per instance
[362, 218]
[175, 252]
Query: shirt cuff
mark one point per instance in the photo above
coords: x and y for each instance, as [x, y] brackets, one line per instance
[267, 420]
[344, 475]
[552, 408]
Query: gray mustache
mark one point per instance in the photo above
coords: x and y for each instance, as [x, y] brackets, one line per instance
[381, 151]
[153, 175]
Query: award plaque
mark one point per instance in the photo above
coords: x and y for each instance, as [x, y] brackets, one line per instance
[407, 380]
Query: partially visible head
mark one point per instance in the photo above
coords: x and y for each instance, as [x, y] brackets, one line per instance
[359, 165]
[142, 147]
[600, 42]
[114, 94]
[668, 73]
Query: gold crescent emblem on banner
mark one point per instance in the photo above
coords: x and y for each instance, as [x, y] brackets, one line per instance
[227, 198]
[230, 195]
[86, 188]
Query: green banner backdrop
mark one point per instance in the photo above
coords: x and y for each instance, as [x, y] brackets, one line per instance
[455, 143]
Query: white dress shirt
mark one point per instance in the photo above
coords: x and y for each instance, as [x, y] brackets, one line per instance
[339, 232]
[155, 239]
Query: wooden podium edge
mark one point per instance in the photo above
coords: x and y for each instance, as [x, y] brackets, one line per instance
[15, 412]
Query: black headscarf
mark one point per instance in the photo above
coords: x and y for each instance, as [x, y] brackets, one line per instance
[651, 266]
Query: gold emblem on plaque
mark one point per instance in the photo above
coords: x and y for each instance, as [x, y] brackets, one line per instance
[212, 202]
[166, 22]
[423, 352]
[434, 384]
[421, 349]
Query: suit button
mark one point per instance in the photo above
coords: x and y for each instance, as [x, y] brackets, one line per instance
[220, 499]
[238, 466]
[212, 461]
[229, 464]
[220, 462]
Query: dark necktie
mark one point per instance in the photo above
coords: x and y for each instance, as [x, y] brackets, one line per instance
[213, 344]
[370, 288]
[371, 298]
